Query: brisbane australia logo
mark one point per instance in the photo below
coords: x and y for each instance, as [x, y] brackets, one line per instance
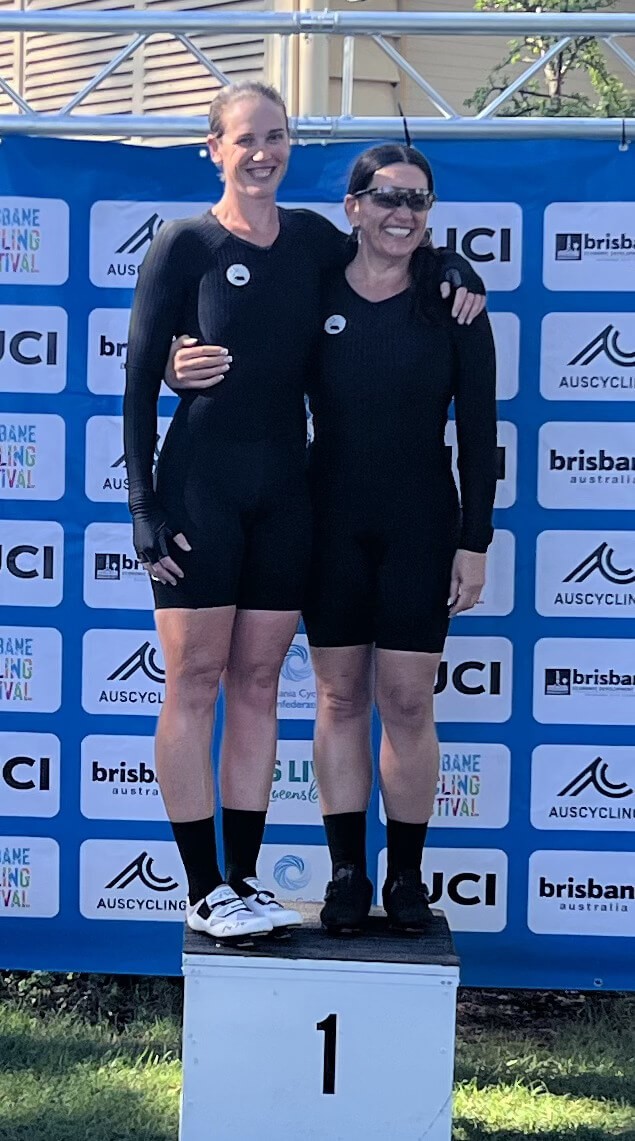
[141, 868]
[601, 559]
[605, 342]
[595, 776]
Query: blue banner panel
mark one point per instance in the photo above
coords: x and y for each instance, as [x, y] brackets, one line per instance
[531, 844]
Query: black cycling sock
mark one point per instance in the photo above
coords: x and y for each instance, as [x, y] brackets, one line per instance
[242, 837]
[196, 841]
[405, 847]
[346, 838]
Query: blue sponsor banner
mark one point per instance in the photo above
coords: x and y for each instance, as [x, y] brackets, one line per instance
[531, 845]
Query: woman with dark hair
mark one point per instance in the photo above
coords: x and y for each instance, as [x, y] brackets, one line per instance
[394, 557]
[225, 534]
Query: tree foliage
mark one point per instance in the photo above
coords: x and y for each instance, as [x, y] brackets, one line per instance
[555, 91]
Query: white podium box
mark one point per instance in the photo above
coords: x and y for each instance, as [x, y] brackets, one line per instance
[320, 1037]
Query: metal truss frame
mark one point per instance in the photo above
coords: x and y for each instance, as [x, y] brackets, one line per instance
[563, 27]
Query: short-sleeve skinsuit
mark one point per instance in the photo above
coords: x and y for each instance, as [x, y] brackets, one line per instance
[232, 474]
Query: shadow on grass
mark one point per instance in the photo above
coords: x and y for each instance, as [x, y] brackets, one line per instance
[599, 1087]
[115, 1115]
[468, 1131]
[21, 1051]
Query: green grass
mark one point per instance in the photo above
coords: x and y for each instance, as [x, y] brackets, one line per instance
[97, 1060]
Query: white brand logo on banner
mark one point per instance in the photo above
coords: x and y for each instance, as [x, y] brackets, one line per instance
[29, 774]
[33, 341]
[33, 241]
[589, 246]
[582, 893]
[588, 356]
[119, 780]
[107, 346]
[122, 672]
[497, 598]
[469, 884]
[31, 456]
[121, 232]
[472, 789]
[506, 330]
[296, 688]
[294, 797]
[584, 787]
[584, 682]
[506, 460]
[590, 573]
[30, 669]
[29, 877]
[31, 562]
[474, 680]
[587, 465]
[106, 477]
[488, 234]
[296, 871]
[131, 879]
[113, 576]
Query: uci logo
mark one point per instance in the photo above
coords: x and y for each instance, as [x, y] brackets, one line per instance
[21, 561]
[481, 244]
[486, 678]
[335, 324]
[238, 274]
[467, 889]
[42, 351]
[24, 781]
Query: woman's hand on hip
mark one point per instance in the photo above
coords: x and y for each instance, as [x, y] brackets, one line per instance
[467, 582]
[194, 366]
[151, 536]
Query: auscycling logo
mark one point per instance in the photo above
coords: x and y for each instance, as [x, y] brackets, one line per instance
[142, 236]
[595, 776]
[605, 342]
[152, 887]
[606, 383]
[142, 868]
[600, 562]
[145, 659]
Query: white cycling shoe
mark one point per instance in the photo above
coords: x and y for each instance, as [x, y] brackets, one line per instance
[262, 903]
[224, 915]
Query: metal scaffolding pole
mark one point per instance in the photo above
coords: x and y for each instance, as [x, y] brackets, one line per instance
[312, 30]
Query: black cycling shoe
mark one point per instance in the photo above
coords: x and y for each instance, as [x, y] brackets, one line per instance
[406, 902]
[347, 902]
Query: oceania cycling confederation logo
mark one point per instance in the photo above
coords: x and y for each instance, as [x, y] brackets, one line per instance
[291, 872]
[296, 665]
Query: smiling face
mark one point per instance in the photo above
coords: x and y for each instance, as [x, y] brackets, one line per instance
[254, 147]
[397, 231]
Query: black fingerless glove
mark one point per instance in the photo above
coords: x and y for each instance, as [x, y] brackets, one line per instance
[150, 533]
[457, 271]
